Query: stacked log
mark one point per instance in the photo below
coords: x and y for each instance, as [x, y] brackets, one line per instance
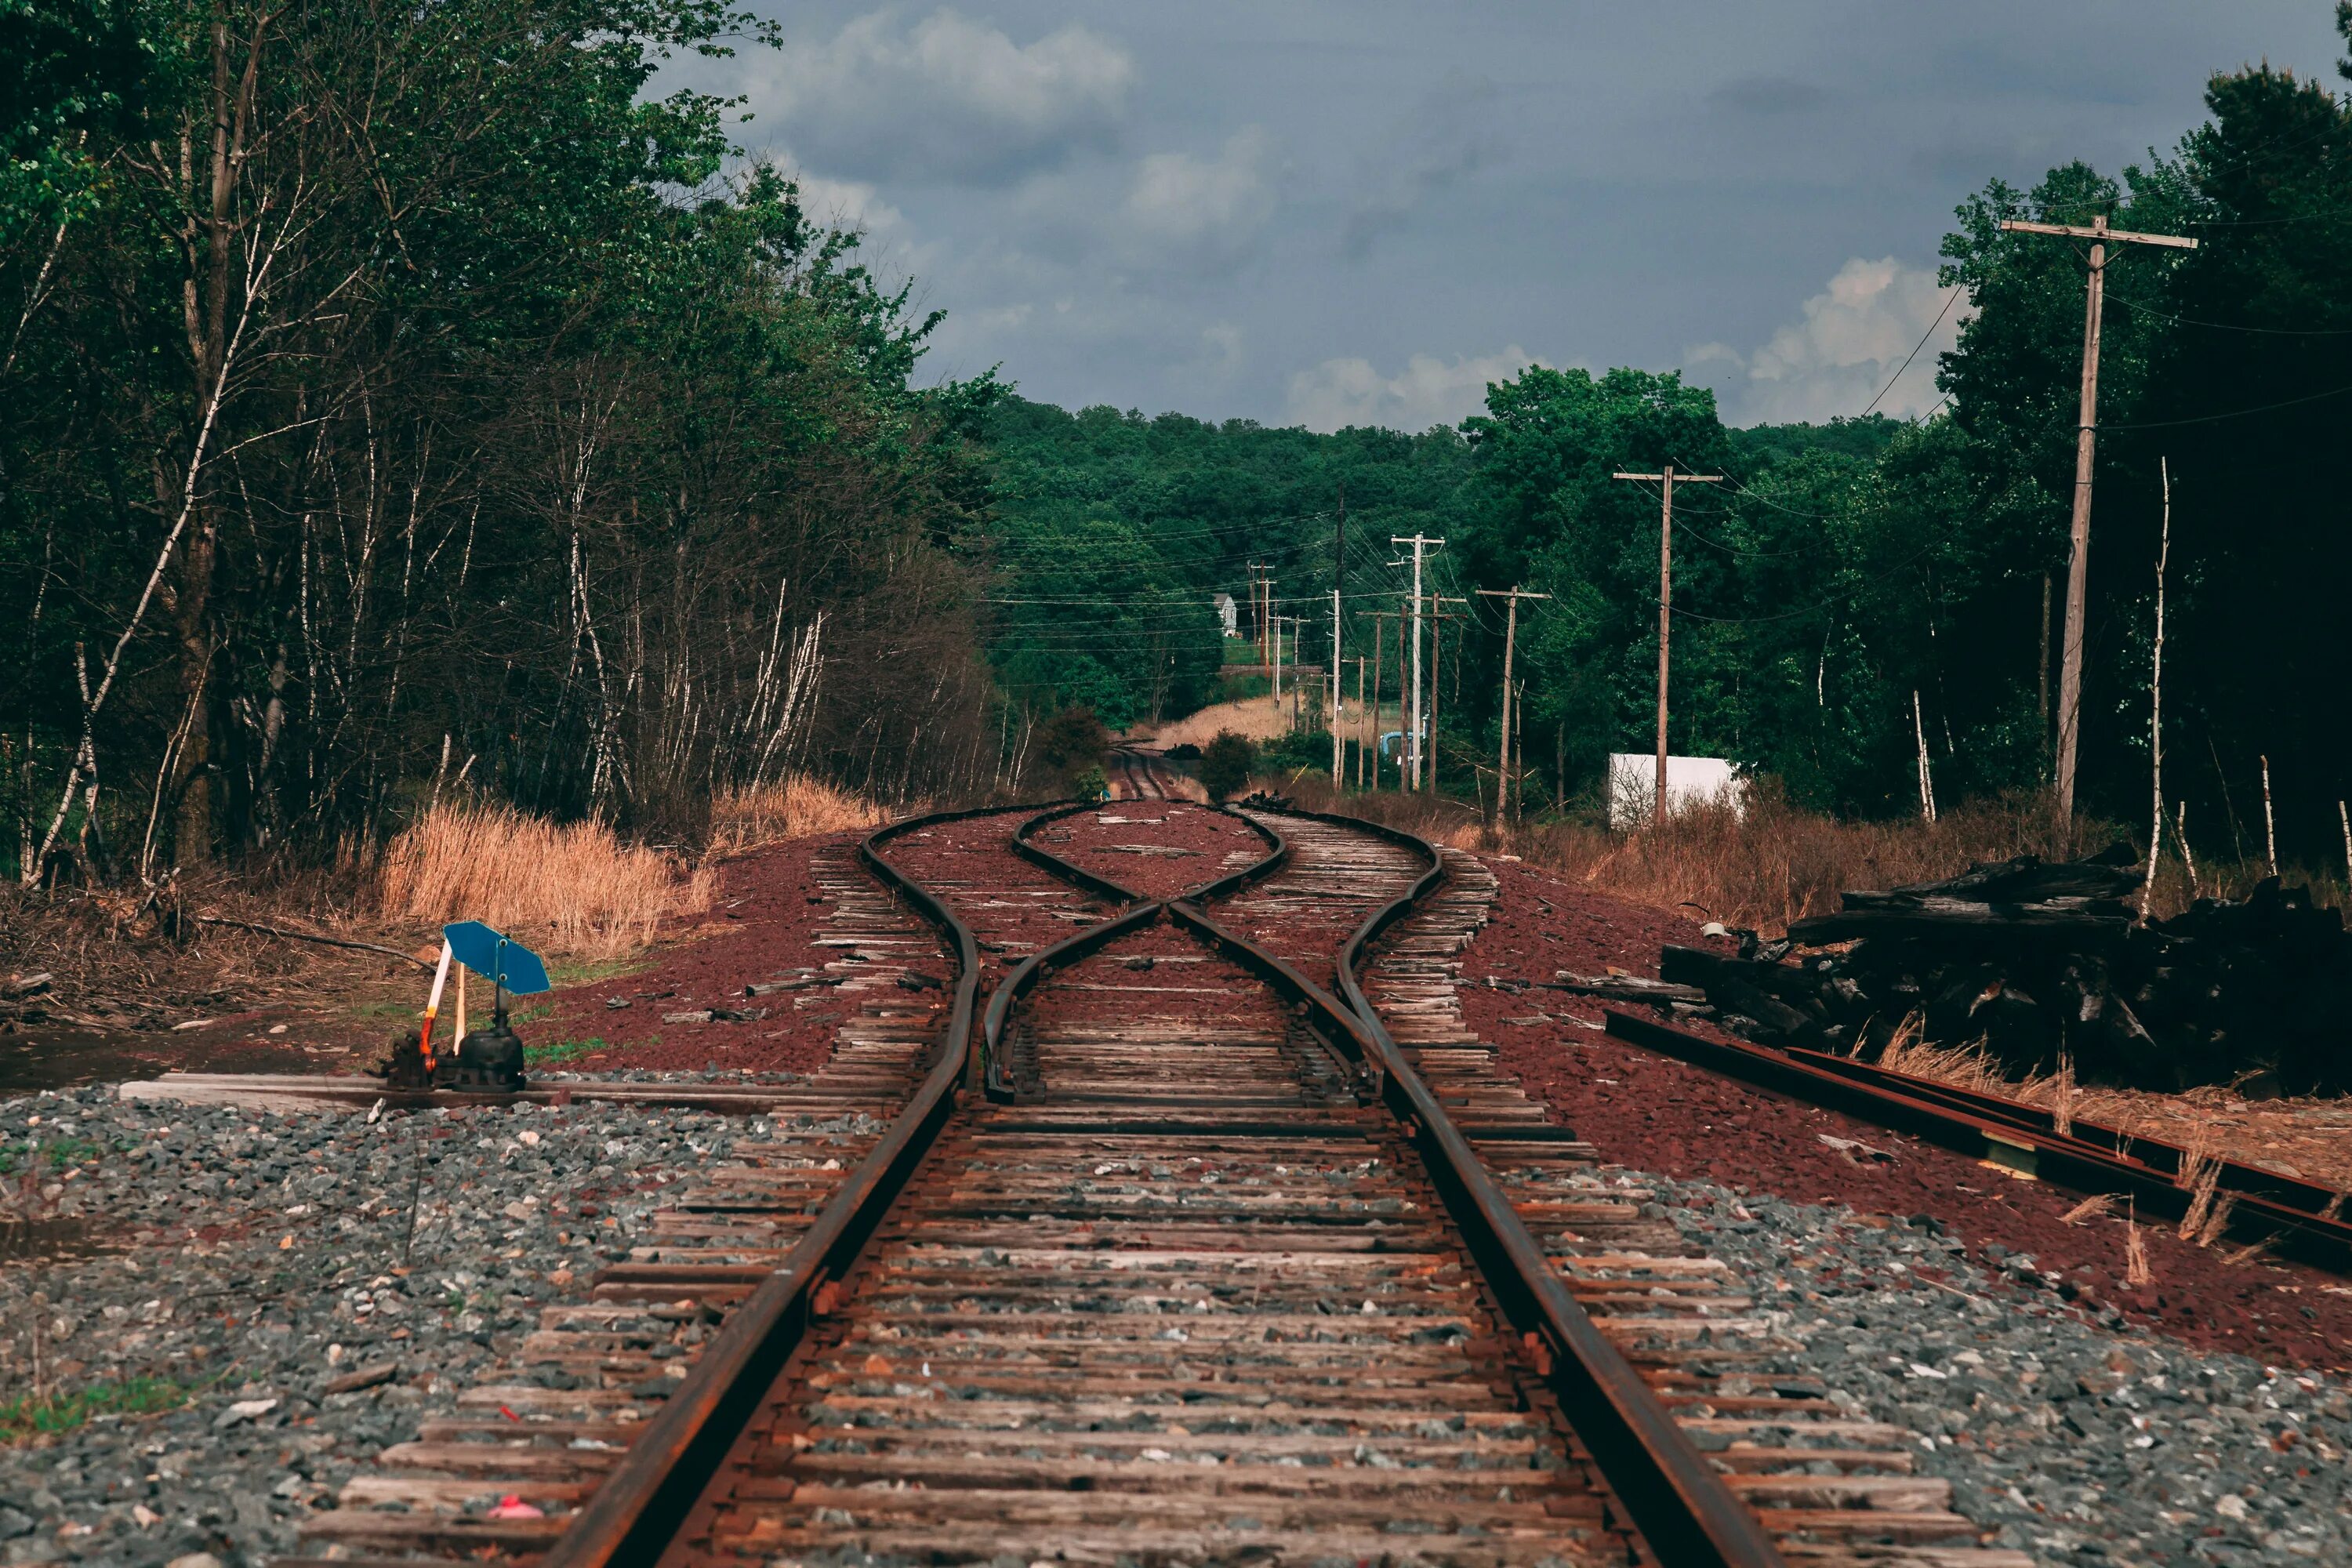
[2043, 962]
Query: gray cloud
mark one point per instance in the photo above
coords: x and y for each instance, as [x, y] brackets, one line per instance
[1449, 135]
[948, 97]
[1768, 95]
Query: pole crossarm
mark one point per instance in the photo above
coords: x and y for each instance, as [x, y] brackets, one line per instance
[2098, 230]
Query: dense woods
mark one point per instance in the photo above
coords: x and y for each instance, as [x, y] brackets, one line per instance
[398, 400]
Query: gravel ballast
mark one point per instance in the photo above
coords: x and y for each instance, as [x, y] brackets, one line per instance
[2068, 1441]
[252, 1258]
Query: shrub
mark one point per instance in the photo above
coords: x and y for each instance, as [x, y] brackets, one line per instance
[1071, 739]
[1226, 763]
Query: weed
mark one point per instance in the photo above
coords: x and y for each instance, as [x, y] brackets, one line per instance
[562, 1051]
[589, 972]
[2098, 1206]
[21, 1419]
[59, 1154]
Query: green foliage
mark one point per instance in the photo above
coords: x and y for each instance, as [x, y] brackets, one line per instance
[1090, 783]
[1226, 763]
[562, 1051]
[1071, 741]
[1113, 532]
[27, 1417]
[477, 409]
[1295, 750]
[57, 1153]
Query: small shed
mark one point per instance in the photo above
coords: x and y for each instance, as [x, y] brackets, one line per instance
[1690, 780]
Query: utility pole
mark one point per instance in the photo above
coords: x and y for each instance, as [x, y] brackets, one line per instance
[1413, 690]
[1338, 570]
[1360, 702]
[1510, 643]
[1275, 622]
[2078, 560]
[1437, 619]
[1665, 477]
[1258, 608]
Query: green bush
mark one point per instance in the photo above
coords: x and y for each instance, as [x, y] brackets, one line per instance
[1226, 763]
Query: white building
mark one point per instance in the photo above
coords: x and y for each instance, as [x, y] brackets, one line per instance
[1690, 780]
[1229, 614]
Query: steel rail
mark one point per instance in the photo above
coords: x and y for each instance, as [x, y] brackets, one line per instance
[1675, 1496]
[1984, 1127]
[651, 1491]
[995, 1072]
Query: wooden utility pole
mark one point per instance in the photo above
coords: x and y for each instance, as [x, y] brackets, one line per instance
[1339, 570]
[1414, 700]
[2078, 560]
[1510, 645]
[1359, 703]
[1665, 477]
[1437, 619]
[1379, 619]
[1261, 592]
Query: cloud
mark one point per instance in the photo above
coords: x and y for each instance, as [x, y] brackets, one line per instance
[1767, 95]
[1201, 213]
[1853, 338]
[850, 204]
[1429, 391]
[950, 97]
[1448, 136]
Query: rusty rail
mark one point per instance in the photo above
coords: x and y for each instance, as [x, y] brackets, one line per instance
[1674, 1496]
[2091, 1159]
[650, 1491]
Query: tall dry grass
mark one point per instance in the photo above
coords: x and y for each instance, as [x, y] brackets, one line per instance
[574, 887]
[1777, 863]
[798, 807]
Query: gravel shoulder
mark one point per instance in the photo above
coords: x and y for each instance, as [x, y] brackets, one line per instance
[247, 1261]
[2063, 1439]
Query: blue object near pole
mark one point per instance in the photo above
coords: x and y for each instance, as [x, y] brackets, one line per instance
[505, 961]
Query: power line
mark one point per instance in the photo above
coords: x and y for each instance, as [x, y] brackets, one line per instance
[1922, 343]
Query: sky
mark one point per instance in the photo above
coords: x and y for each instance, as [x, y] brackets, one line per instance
[1337, 212]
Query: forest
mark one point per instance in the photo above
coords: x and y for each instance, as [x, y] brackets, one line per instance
[406, 401]
[1852, 591]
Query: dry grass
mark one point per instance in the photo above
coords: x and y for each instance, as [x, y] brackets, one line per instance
[1256, 718]
[1777, 863]
[2137, 1273]
[574, 887]
[798, 807]
[2099, 1205]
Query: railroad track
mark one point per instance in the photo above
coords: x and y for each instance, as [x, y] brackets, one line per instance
[1133, 777]
[1214, 1269]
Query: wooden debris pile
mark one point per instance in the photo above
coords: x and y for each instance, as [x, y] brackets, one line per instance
[2043, 963]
